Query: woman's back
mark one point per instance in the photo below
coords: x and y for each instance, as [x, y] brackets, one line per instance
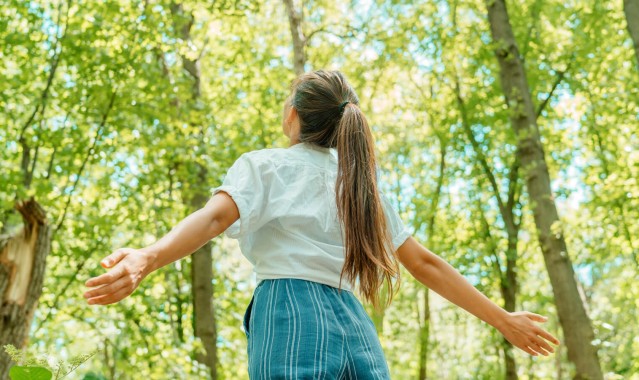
[289, 226]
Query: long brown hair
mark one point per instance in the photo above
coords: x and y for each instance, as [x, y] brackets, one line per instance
[330, 117]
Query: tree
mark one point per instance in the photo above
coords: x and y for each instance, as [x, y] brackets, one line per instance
[576, 325]
[201, 260]
[109, 111]
[295, 19]
[23, 258]
[631, 9]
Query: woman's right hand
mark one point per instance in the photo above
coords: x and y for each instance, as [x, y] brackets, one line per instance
[519, 328]
[128, 268]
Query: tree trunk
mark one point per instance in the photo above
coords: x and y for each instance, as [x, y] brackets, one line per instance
[22, 265]
[295, 19]
[424, 323]
[424, 335]
[509, 293]
[204, 323]
[575, 323]
[631, 9]
[507, 280]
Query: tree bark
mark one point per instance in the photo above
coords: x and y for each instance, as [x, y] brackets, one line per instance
[575, 323]
[295, 19]
[424, 320]
[507, 280]
[509, 293]
[631, 9]
[424, 336]
[424, 323]
[22, 265]
[204, 323]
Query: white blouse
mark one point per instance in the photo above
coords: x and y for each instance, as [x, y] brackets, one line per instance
[288, 225]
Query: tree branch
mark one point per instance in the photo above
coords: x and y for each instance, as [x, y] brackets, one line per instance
[55, 60]
[477, 149]
[512, 183]
[90, 152]
[558, 80]
[490, 240]
[324, 29]
[295, 19]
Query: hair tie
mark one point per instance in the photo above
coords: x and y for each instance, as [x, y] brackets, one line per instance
[342, 106]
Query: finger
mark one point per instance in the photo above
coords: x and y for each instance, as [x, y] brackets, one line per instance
[546, 335]
[536, 317]
[107, 289]
[527, 350]
[113, 258]
[543, 344]
[106, 278]
[539, 350]
[111, 298]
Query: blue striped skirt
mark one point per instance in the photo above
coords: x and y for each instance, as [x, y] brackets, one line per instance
[299, 329]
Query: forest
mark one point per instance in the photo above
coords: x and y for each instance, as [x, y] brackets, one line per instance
[507, 137]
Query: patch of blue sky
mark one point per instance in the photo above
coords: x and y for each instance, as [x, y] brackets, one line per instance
[49, 24]
[170, 58]
[68, 80]
[275, 62]
[584, 273]
[283, 51]
[126, 175]
[56, 122]
[158, 9]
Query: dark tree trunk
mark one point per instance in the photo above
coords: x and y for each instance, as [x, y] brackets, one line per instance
[509, 293]
[201, 261]
[573, 318]
[631, 9]
[424, 336]
[22, 265]
[204, 322]
[203, 309]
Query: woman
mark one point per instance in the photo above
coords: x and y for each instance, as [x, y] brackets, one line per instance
[315, 227]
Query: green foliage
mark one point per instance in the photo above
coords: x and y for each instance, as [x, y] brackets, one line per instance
[31, 367]
[113, 138]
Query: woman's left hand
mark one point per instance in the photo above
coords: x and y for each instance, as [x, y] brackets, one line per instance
[519, 328]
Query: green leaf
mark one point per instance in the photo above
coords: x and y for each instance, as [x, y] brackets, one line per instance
[30, 373]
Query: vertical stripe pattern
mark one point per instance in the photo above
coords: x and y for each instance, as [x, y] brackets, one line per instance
[299, 329]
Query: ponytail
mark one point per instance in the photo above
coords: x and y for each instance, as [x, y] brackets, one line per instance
[330, 117]
[360, 209]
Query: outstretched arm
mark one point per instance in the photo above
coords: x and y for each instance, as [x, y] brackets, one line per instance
[130, 266]
[438, 275]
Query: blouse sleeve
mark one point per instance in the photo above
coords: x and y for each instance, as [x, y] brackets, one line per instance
[399, 232]
[244, 182]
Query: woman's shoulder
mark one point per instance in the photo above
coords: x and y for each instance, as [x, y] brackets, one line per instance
[299, 155]
[266, 156]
